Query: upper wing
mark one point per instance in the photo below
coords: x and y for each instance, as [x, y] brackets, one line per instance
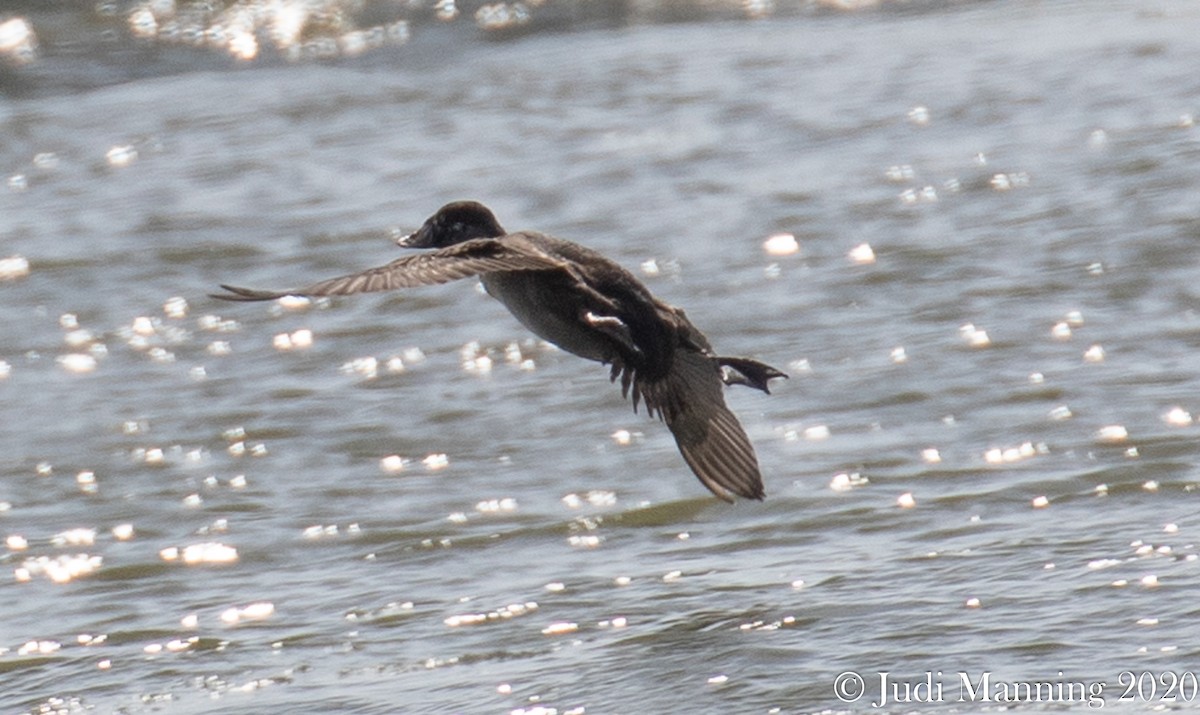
[470, 258]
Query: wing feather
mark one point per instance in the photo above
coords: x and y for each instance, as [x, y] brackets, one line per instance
[691, 400]
[464, 260]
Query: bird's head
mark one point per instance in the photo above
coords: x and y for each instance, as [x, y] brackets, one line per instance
[454, 223]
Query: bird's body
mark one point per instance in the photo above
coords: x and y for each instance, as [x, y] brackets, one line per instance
[589, 306]
[549, 303]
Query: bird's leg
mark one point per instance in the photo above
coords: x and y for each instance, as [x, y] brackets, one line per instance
[614, 328]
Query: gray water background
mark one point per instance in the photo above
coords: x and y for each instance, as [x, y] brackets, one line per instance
[683, 143]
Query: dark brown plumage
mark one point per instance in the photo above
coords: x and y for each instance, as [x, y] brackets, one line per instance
[588, 305]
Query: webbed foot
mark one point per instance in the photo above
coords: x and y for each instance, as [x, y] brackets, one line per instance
[745, 371]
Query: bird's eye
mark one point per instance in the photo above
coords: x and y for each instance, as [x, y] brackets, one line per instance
[458, 227]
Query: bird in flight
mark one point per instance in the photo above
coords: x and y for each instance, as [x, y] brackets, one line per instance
[589, 306]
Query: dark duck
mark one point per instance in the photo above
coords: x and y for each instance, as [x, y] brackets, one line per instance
[587, 305]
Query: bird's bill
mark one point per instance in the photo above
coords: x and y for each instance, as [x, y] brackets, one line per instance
[416, 239]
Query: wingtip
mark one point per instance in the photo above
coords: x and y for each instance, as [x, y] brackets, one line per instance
[733, 497]
[753, 491]
[731, 493]
[725, 463]
[239, 294]
[229, 293]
